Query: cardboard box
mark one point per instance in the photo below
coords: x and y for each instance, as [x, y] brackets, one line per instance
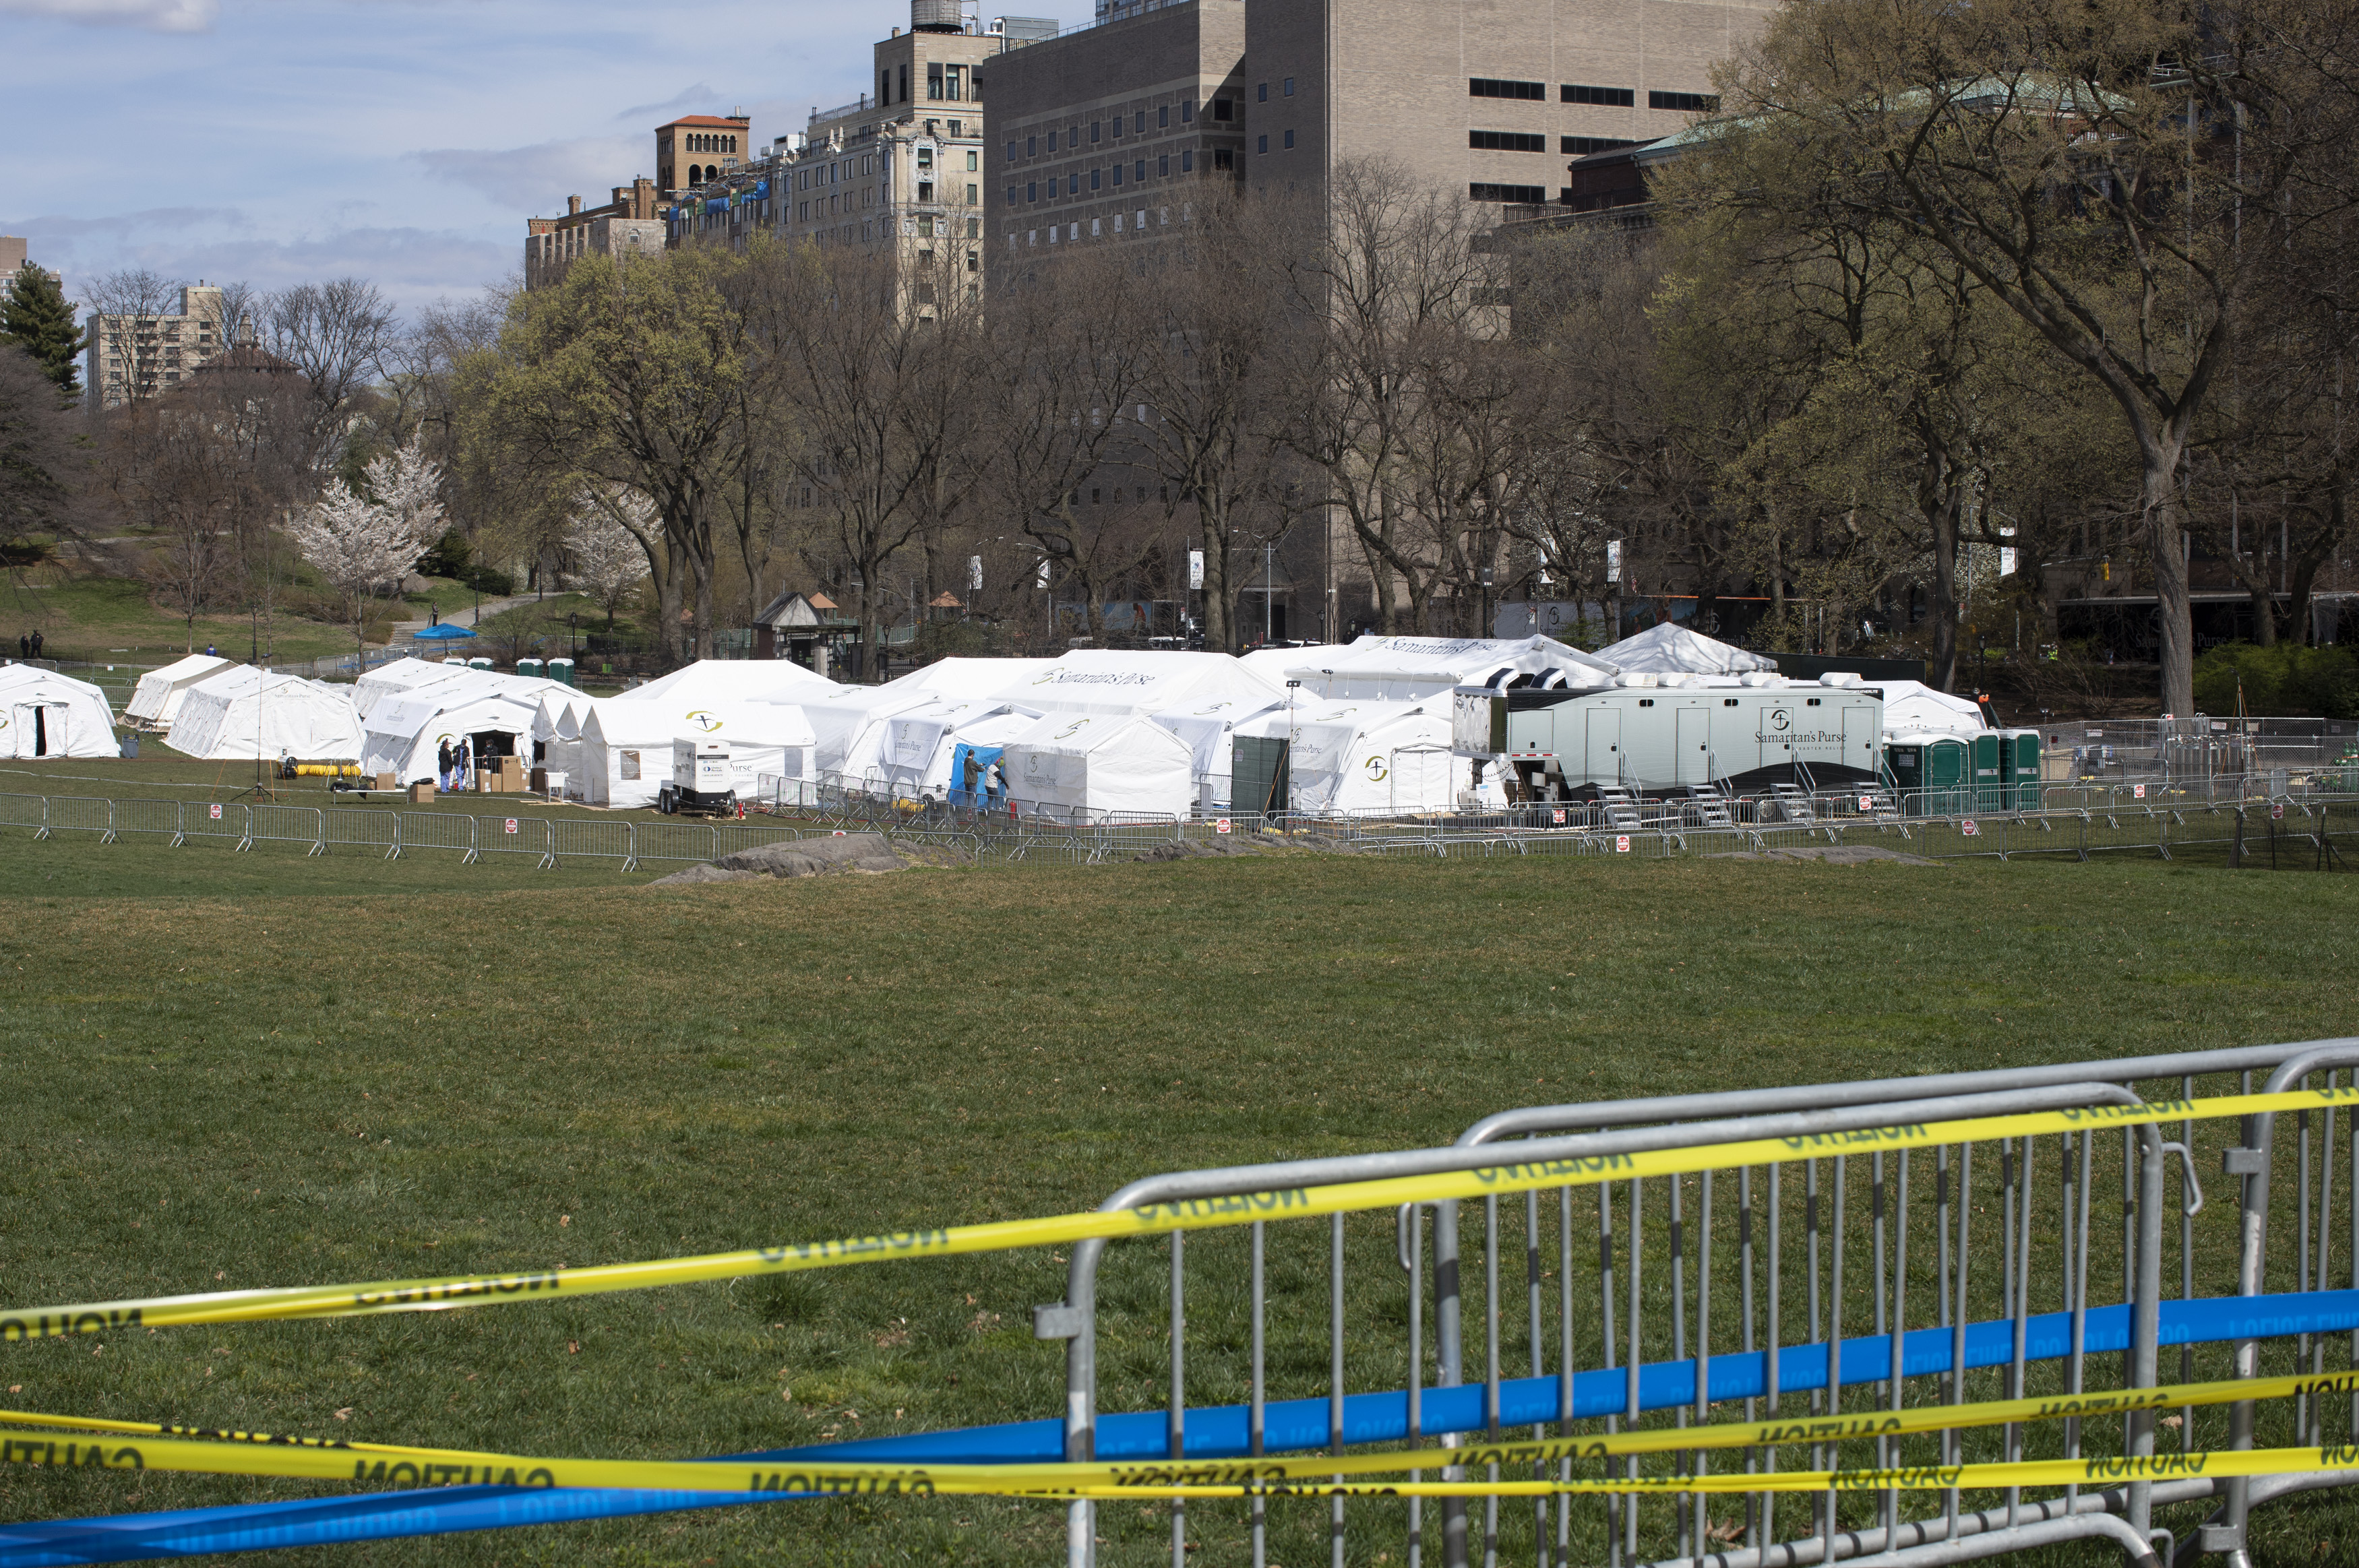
[421, 794]
[388, 781]
[540, 781]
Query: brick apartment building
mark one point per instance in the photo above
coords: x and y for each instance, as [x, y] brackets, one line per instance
[631, 221]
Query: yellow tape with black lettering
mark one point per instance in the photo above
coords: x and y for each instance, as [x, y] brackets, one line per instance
[265, 1454]
[1199, 1213]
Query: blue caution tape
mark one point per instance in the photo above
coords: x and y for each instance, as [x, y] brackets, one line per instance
[1212, 1434]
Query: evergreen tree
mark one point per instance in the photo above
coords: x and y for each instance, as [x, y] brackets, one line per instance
[38, 318]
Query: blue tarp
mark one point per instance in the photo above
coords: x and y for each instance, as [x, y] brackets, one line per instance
[442, 632]
[984, 757]
[1212, 1432]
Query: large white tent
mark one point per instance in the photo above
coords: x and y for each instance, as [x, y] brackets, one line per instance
[1401, 669]
[45, 714]
[1209, 729]
[155, 700]
[921, 743]
[1272, 664]
[1112, 681]
[400, 678]
[626, 747]
[965, 677]
[734, 680]
[1666, 648]
[1368, 757]
[404, 736]
[245, 714]
[1099, 763]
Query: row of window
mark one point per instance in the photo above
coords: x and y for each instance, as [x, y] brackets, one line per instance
[1606, 97]
[1070, 234]
[1479, 191]
[944, 84]
[703, 142]
[1265, 142]
[1070, 184]
[1223, 109]
[1288, 92]
[1533, 142]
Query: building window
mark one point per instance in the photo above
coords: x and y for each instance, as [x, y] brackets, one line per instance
[1290, 87]
[1224, 109]
[1163, 166]
[1094, 176]
[1053, 141]
[954, 89]
[1188, 162]
[1508, 141]
[1138, 122]
[1493, 86]
[933, 84]
[1479, 191]
[1605, 97]
[1031, 191]
[1031, 146]
[1581, 147]
[973, 194]
[1163, 117]
[1117, 125]
[1117, 176]
[1141, 173]
[1223, 158]
[1262, 145]
[1187, 111]
[1262, 94]
[1011, 152]
[1290, 138]
[1686, 102]
[1096, 126]
[973, 160]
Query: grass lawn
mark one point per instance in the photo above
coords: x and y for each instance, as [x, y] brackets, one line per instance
[232, 1071]
[104, 617]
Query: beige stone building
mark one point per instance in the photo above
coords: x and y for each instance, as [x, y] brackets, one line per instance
[629, 223]
[697, 148]
[130, 357]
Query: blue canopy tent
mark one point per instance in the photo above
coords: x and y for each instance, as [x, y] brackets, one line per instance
[442, 632]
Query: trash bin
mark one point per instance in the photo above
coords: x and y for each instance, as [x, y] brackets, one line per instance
[528, 667]
[131, 745]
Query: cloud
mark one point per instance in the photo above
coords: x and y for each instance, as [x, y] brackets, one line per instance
[699, 97]
[157, 15]
[539, 178]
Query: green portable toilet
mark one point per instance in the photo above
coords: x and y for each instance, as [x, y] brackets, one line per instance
[1986, 754]
[528, 667]
[479, 662]
[1929, 769]
[562, 671]
[2019, 767]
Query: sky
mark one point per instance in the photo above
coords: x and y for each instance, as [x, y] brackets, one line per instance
[401, 141]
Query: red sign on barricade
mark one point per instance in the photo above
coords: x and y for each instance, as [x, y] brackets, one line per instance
[1220, 825]
[1622, 844]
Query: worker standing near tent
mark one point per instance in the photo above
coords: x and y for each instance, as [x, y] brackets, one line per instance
[442, 765]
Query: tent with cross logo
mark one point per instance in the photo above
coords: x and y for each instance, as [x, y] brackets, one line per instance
[1369, 758]
[625, 756]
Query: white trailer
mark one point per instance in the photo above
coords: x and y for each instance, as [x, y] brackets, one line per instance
[701, 781]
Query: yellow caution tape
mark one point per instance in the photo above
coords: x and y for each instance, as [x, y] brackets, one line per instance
[1194, 1214]
[214, 1450]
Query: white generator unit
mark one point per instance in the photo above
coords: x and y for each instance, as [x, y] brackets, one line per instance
[1658, 739]
[701, 783]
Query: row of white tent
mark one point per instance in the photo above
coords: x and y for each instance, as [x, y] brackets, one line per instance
[1095, 730]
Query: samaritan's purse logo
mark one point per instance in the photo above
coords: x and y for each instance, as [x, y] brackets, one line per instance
[708, 722]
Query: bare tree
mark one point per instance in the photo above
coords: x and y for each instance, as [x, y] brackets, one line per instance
[131, 291]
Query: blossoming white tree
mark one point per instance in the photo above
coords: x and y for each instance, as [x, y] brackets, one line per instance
[608, 541]
[358, 541]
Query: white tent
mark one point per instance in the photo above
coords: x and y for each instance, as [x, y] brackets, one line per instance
[450, 683]
[1104, 680]
[1401, 669]
[626, 747]
[967, 677]
[1368, 757]
[851, 735]
[734, 680]
[244, 714]
[404, 736]
[1211, 728]
[157, 699]
[45, 714]
[1912, 705]
[1099, 763]
[919, 742]
[1668, 648]
[400, 678]
[1272, 664]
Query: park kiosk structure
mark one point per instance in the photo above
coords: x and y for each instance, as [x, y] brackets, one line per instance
[45, 714]
[155, 700]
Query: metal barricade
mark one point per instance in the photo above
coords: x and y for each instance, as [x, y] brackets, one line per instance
[26, 811]
[78, 814]
[159, 817]
[439, 830]
[357, 828]
[287, 824]
[518, 836]
[675, 841]
[218, 820]
[1940, 1275]
[574, 838]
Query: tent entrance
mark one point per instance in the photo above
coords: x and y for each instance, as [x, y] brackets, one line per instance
[970, 775]
[1258, 774]
[38, 729]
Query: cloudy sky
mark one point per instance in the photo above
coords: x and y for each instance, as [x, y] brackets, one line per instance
[403, 141]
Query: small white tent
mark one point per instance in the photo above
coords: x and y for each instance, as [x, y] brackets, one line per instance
[155, 700]
[734, 680]
[45, 714]
[404, 736]
[1911, 705]
[244, 714]
[1104, 680]
[1402, 669]
[1098, 763]
[1361, 758]
[1666, 648]
[626, 757]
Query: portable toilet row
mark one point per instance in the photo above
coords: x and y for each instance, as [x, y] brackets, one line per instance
[1939, 775]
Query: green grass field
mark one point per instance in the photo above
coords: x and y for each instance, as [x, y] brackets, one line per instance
[229, 1071]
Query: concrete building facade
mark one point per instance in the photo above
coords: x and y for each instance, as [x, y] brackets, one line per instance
[626, 225]
[130, 357]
